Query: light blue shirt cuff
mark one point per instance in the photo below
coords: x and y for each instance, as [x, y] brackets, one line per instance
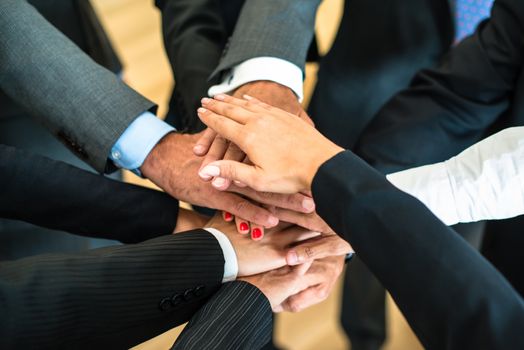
[132, 148]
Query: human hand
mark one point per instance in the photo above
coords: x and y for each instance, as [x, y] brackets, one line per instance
[172, 166]
[297, 203]
[286, 152]
[189, 220]
[214, 147]
[279, 285]
[321, 278]
[268, 254]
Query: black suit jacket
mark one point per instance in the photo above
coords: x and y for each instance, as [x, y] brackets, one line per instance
[450, 295]
[475, 91]
[113, 297]
[59, 196]
[195, 35]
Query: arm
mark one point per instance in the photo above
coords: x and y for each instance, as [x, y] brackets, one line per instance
[86, 106]
[449, 108]
[483, 182]
[461, 300]
[238, 316]
[194, 37]
[56, 195]
[114, 297]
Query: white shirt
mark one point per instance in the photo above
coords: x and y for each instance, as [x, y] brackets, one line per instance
[484, 182]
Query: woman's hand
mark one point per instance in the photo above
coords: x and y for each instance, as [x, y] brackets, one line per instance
[286, 152]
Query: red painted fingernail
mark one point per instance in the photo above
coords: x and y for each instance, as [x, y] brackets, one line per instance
[228, 216]
[244, 226]
[256, 233]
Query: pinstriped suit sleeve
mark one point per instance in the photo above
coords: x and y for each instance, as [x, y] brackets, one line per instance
[86, 106]
[110, 298]
[238, 316]
[274, 28]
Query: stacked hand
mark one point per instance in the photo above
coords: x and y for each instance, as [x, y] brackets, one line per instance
[214, 147]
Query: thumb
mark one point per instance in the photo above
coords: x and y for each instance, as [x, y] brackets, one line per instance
[324, 247]
[230, 170]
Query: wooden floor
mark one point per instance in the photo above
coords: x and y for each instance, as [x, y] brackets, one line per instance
[134, 27]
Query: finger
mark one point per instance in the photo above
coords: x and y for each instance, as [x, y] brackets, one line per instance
[310, 221]
[294, 235]
[242, 226]
[243, 208]
[239, 183]
[231, 170]
[294, 202]
[216, 151]
[230, 109]
[204, 143]
[224, 126]
[302, 269]
[257, 102]
[234, 153]
[257, 232]
[250, 103]
[227, 216]
[318, 249]
[306, 298]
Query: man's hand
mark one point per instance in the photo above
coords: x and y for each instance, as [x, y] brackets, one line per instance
[172, 166]
[215, 147]
[321, 277]
[268, 254]
[279, 285]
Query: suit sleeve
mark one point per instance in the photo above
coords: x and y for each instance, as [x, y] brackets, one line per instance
[274, 28]
[194, 37]
[238, 316]
[447, 109]
[451, 296]
[59, 196]
[114, 297]
[84, 105]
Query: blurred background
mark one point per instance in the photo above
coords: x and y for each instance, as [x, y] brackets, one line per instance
[134, 28]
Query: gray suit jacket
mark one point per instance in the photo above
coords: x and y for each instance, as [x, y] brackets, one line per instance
[86, 106]
[275, 28]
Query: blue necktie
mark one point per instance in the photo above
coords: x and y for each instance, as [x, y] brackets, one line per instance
[469, 13]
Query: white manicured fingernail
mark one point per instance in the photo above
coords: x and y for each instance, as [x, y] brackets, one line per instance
[220, 97]
[209, 171]
[199, 149]
[292, 258]
[308, 204]
[219, 182]
[272, 221]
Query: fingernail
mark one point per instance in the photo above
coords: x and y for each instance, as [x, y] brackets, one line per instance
[228, 216]
[205, 100]
[272, 221]
[244, 226]
[201, 110]
[199, 149]
[292, 258]
[256, 233]
[247, 97]
[220, 97]
[209, 171]
[308, 204]
[219, 182]
[239, 183]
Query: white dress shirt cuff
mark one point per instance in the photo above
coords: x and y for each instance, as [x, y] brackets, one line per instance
[262, 68]
[134, 145]
[431, 184]
[230, 257]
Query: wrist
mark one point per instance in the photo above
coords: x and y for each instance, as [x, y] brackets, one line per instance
[328, 152]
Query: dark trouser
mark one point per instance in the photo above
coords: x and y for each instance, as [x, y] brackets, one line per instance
[19, 239]
[379, 47]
